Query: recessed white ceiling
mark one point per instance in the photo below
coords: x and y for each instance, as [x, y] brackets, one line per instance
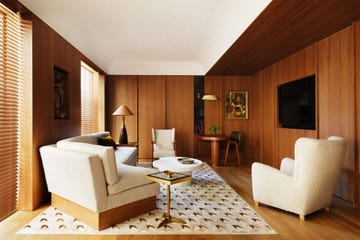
[150, 37]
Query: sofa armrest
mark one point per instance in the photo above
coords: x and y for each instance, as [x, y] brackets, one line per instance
[126, 155]
[76, 176]
[287, 166]
[106, 154]
[131, 177]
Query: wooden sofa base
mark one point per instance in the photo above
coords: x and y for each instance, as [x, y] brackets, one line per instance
[107, 218]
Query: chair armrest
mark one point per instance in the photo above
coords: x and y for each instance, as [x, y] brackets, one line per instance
[174, 143]
[271, 186]
[287, 166]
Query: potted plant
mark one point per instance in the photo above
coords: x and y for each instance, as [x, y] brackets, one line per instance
[213, 128]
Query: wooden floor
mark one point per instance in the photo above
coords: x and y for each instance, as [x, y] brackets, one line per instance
[342, 222]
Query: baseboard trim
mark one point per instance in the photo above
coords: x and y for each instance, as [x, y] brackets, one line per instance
[107, 218]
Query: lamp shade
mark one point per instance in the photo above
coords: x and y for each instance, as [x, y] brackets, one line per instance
[209, 97]
[123, 110]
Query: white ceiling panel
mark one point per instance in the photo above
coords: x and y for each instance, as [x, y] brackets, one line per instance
[150, 37]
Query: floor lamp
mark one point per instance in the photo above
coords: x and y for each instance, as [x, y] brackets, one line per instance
[123, 111]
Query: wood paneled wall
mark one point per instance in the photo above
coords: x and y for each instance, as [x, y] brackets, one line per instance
[298, 65]
[157, 102]
[336, 79]
[50, 50]
[115, 98]
[167, 101]
[152, 106]
[180, 112]
[357, 114]
[215, 113]
[335, 61]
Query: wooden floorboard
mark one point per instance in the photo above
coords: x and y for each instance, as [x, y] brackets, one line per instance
[342, 222]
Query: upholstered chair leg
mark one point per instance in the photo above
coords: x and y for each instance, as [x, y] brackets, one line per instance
[302, 217]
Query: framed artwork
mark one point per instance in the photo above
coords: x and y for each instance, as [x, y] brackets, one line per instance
[236, 105]
[60, 94]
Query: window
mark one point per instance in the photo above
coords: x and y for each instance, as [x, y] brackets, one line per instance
[15, 77]
[92, 100]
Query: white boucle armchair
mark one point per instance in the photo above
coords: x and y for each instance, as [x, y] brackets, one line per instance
[303, 185]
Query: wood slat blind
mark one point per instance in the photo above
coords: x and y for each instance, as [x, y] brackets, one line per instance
[92, 100]
[10, 44]
[25, 117]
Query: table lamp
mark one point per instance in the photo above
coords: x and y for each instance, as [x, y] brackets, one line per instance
[123, 111]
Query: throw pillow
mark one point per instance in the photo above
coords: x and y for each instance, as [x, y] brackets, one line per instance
[107, 141]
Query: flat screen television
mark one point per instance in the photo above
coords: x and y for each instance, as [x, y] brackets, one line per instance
[296, 103]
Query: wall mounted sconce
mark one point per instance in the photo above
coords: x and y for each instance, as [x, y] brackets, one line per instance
[209, 97]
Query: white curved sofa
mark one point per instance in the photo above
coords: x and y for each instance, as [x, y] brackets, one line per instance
[97, 184]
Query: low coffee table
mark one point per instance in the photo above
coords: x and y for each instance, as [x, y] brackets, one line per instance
[178, 164]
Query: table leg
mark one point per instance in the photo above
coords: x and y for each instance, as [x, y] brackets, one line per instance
[167, 216]
[214, 153]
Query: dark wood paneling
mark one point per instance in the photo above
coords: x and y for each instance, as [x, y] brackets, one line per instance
[212, 109]
[254, 153]
[151, 110]
[336, 103]
[67, 58]
[269, 143]
[49, 50]
[212, 114]
[156, 101]
[238, 83]
[282, 29]
[180, 112]
[122, 90]
[43, 114]
[267, 133]
[357, 114]
[336, 69]
[298, 65]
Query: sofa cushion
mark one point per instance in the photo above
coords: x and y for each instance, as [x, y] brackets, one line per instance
[106, 154]
[107, 141]
[130, 177]
[127, 155]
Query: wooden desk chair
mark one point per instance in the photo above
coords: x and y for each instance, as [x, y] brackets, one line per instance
[234, 140]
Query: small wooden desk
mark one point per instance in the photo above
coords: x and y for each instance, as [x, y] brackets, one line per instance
[215, 139]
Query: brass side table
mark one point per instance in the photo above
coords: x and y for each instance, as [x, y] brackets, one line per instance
[169, 178]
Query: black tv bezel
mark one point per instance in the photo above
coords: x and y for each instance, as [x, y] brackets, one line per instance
[298, 125]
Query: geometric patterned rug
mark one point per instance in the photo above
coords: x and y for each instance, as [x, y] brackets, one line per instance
[208, 206]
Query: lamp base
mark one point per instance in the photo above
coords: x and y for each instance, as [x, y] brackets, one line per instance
[123, 139]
